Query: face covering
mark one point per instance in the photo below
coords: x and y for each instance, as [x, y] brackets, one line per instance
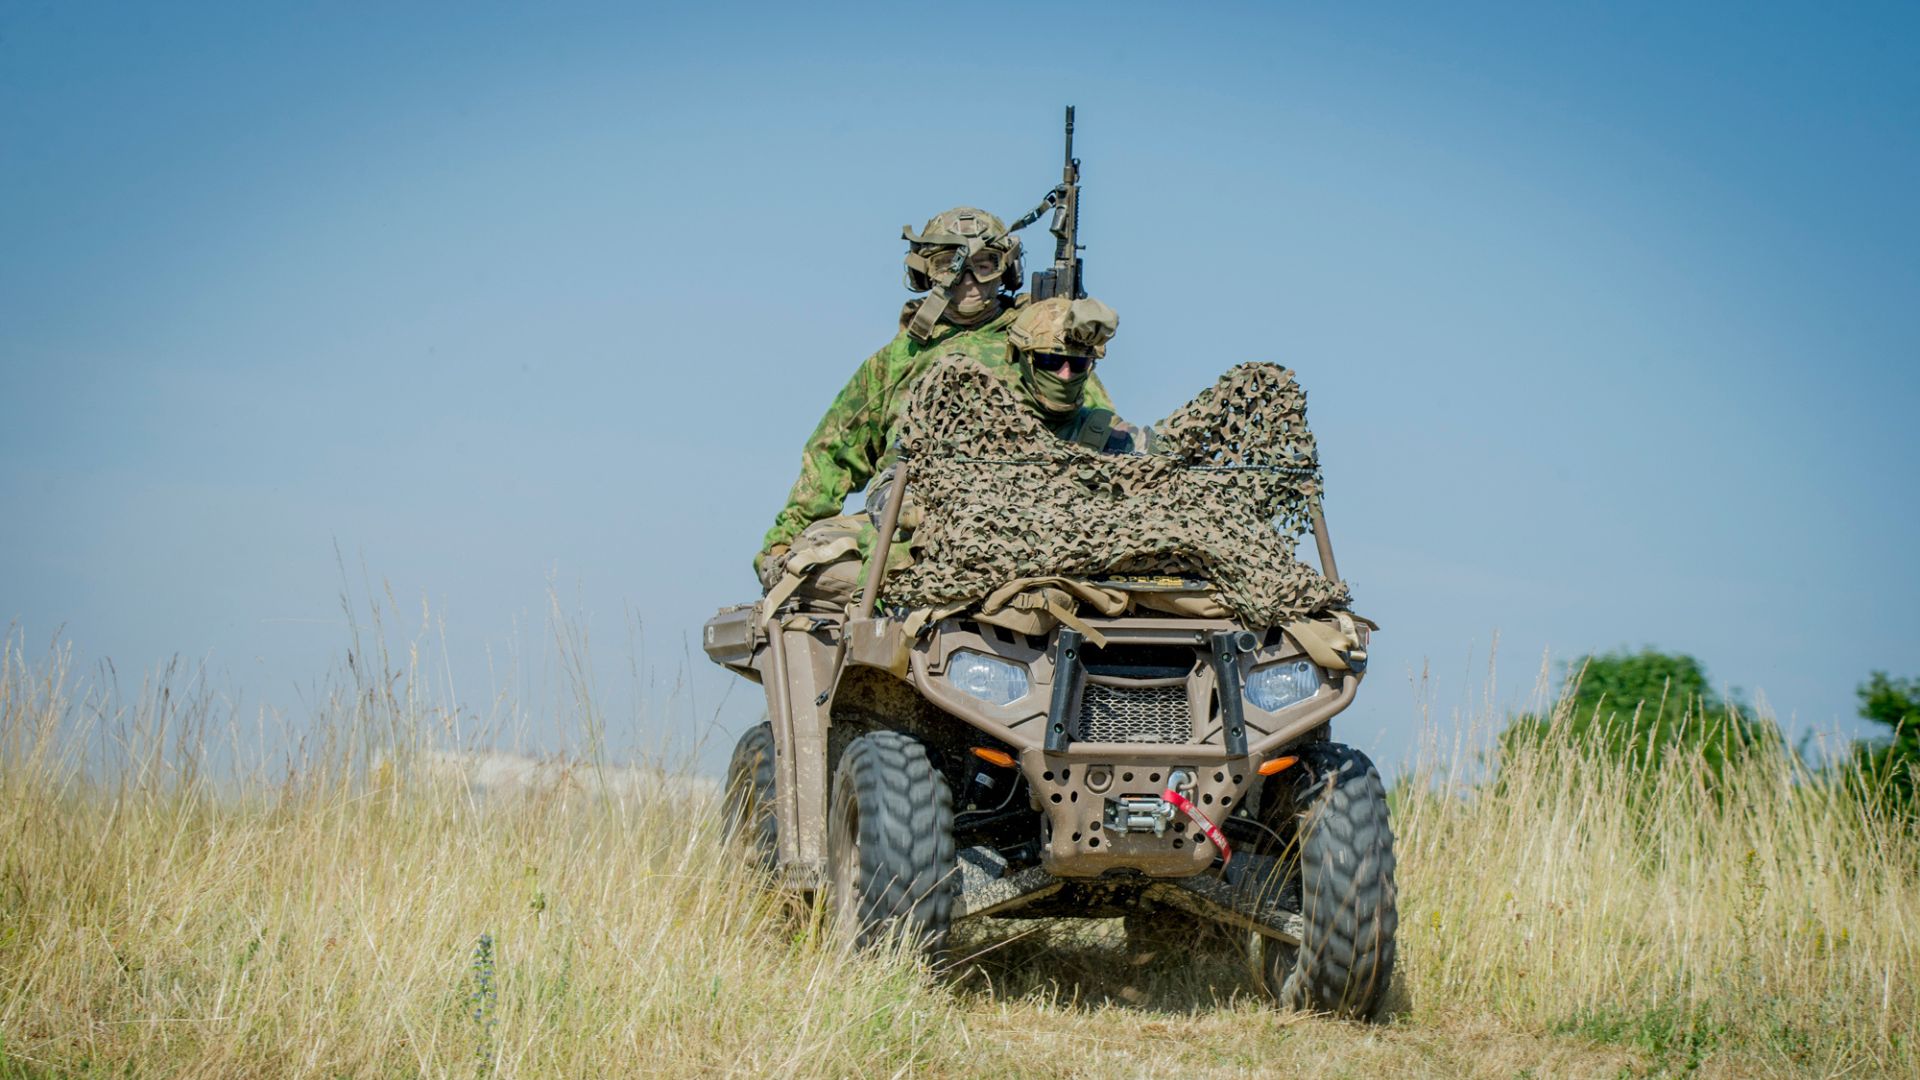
[1057, 392]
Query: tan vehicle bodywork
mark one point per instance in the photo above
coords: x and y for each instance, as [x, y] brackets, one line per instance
[824, 671]
[1070, 786]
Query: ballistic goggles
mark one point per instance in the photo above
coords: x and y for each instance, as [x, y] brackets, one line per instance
[943, 265]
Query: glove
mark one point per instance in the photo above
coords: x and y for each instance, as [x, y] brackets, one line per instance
[771, 565]
[878, 492]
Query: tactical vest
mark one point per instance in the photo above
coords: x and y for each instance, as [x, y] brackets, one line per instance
[1090, 428]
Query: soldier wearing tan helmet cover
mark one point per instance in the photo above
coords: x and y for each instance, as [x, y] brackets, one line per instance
[968, 264]
[1054, 345]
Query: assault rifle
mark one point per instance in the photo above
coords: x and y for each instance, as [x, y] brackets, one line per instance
[1063, 277]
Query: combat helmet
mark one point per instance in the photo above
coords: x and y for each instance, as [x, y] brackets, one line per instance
[949, 243]
[1067, 327]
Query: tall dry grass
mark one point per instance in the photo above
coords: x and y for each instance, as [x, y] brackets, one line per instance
[1667, 900]
[341, 908]
[366, 914]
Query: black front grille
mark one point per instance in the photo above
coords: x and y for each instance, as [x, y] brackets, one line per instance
[1128, 660]
[1151, 714]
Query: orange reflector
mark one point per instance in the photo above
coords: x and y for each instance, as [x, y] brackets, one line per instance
[1274, 765]
[992, 756]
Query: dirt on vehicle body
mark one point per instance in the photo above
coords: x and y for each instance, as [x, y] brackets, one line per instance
[1092, 686]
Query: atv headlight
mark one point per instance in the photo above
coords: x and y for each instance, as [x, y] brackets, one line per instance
[1277, 686]
[988, 678]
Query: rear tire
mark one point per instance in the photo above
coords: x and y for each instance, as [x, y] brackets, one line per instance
[890, 853]
[749, 801]
[1344, 860]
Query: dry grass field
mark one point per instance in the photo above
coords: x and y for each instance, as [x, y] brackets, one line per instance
[343, 908]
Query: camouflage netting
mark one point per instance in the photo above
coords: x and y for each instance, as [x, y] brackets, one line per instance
[1225, 496]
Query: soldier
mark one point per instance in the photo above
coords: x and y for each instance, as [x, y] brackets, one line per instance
[1054, 345]
[1047, 360]
[968, 264]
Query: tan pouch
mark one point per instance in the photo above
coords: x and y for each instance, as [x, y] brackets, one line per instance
[1035, 605]
[1198, 604]
[824, 565]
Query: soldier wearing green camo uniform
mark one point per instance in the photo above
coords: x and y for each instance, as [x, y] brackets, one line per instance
[1048, 359]
[968, 264]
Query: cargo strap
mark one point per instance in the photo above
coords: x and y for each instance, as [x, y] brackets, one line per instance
[1035, 610]
[1334, 645]
[798, 564]
[920, 328]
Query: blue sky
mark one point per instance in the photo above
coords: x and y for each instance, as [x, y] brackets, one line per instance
[1610, 319]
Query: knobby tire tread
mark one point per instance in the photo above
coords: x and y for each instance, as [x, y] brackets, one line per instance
[1349, 903]
[750, 795]
[907, 881]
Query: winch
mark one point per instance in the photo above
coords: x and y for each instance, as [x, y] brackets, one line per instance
[1147, 813]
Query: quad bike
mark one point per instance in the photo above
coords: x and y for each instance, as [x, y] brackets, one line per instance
[1160, 768]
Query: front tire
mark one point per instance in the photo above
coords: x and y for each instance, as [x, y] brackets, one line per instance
[1349, 902]
[749, 804]
[890, 852]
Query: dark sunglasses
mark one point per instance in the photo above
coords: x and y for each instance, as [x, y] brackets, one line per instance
[1055, 361]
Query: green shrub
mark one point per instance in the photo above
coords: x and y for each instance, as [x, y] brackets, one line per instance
[1641, 707]
[1887, 765]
